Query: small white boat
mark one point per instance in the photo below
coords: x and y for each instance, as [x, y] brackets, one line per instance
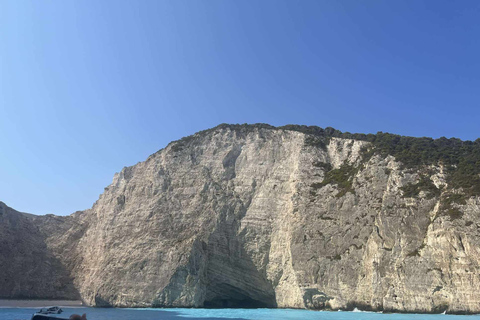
[51, 313]
[50, 310]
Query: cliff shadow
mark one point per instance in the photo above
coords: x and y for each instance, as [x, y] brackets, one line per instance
[29, 269]
[232, 278]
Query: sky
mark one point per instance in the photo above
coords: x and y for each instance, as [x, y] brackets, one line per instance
[88, 87]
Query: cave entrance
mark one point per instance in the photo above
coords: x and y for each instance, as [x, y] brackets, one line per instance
[244, 303]
[227, 296]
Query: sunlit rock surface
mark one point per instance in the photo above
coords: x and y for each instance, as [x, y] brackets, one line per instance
[242, 216]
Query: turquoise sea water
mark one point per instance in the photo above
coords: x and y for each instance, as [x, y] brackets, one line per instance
[218, 314]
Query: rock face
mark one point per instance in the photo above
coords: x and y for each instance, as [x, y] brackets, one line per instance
[28, 268]
[255, 216]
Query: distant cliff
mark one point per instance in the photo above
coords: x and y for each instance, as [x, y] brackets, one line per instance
[28, 268]
[253, 215]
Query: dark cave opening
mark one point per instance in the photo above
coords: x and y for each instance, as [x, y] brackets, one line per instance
[223, 295]
[241, 302]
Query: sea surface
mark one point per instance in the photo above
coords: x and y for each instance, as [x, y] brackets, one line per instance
[7, 313]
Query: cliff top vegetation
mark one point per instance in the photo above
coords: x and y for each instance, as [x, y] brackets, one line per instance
[461, 159]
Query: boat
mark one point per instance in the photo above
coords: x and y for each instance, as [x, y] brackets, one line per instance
[50, 310]
[40, 316]
[51, 313]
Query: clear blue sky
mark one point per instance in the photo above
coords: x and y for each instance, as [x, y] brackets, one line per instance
[88, 87]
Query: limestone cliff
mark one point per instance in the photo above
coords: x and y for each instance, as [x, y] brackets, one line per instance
[277, 217]
[28, 268]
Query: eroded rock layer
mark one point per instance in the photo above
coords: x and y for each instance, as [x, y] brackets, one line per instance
[256, 216]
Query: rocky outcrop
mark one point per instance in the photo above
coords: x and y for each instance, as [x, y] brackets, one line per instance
[260, 216]
[28, 268]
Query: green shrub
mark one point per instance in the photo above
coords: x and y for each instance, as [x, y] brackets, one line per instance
[342, 177]
[447, 207]
[324, 165]
[424, 184]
